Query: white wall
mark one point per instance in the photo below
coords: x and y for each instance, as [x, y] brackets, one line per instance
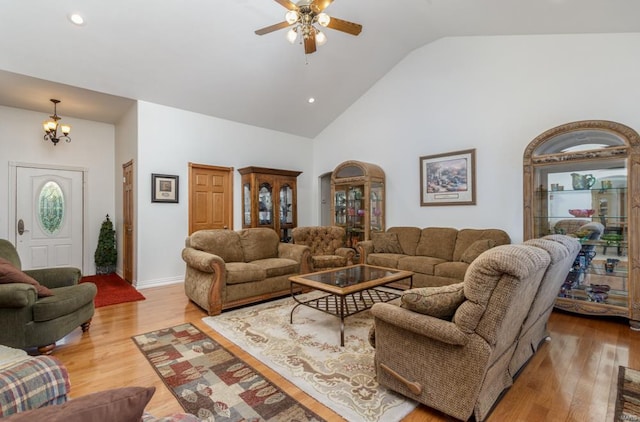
[168, 139]
[495, 94]
[92, 147]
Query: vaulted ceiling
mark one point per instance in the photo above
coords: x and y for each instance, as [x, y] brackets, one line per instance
[203, 55]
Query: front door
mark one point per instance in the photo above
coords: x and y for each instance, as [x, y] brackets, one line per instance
[49, 217]
[210, 197]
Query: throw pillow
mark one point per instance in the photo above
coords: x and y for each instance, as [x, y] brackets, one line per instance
[475, 249]
[439, 302]
[121, 404]
[10, 274]
[386, 243]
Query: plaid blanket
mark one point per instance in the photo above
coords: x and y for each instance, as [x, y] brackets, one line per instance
[33, 383]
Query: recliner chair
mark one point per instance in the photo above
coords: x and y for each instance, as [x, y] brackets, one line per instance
[28, 321]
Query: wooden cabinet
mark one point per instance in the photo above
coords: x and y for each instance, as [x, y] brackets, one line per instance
[358, 200]
[269, 199]
[587, 172]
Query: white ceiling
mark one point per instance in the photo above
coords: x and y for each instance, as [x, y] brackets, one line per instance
[203, 55]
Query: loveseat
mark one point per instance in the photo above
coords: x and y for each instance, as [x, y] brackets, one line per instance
[456, 348]
[437, 255]
[226, 268]
[327, 245]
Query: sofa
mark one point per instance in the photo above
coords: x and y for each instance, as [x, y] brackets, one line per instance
[226, 268]
[40, 306]
[438, 256]
[38, 388]
[327, 245]
[450, 347]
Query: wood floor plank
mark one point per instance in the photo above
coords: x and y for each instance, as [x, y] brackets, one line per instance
[572, 376]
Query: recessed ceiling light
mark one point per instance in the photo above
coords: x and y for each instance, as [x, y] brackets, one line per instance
[76, 19]
[311, 100]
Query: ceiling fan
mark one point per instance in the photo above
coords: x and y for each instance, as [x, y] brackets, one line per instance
[302, 16]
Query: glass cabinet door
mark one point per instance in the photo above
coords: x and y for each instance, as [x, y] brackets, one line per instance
[355, 214]
[246, 204]
[376, 207]
[265, 205]
[340, 206]
[286, 205]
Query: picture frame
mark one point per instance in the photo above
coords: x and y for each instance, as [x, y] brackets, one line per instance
[164, 188]
[448, 179]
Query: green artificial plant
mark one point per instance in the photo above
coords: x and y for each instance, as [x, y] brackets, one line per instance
[106, 254]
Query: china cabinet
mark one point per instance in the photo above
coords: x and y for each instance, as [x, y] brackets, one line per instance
[581, 173]
[358, 200]
[269, 199]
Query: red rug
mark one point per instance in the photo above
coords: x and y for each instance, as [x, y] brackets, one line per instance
[112, 290]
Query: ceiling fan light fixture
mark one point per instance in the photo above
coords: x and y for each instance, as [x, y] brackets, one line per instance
[292, 35]
[291, 16]
[324, 19]
[321, 39]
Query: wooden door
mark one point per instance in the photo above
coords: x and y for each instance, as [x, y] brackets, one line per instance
[127, 223]
[50, 220]
[210, 197]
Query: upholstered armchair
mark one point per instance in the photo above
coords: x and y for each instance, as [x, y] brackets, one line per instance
[39, 307]
[327, 244]
[449, 347]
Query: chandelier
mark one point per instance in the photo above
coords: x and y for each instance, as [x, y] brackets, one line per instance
[51, 127]
[303, 20]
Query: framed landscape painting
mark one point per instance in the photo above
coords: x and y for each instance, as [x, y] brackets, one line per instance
[448, 179]
[164, 188]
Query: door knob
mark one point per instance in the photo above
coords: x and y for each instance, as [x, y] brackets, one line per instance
[21, 228]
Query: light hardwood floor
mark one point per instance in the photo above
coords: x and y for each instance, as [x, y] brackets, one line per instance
[571, 378]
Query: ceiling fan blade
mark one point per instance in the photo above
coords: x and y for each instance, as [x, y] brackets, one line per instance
[345, 26]
[310, 45]
[319, 5]
[289, 5]
[272, 28]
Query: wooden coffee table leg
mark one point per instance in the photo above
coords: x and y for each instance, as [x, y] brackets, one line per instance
[342, 306]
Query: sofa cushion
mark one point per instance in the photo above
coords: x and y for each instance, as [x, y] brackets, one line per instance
[476, 248]
[259, 243]
[454, 269]
[437, 242]
[386, 243]
[65, 301]
[467, 236]
[439, 302]
[328, 261]
[10, 274]
[275, 267]
[389, 260]
[224, 243]
[408, 238]
[244, 272]
[419, 264]
[122, 404]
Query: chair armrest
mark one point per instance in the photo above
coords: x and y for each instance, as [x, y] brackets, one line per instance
[364, 248]
[202, 261]
[299, 253]
[17, 295]
[347, 253]
[424, 325]
[56, 277]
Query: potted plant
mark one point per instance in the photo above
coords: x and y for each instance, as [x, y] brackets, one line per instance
[106, 254]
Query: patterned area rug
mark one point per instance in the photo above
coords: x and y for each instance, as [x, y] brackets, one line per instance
[213, 384]
[308, 354]
[628, 399]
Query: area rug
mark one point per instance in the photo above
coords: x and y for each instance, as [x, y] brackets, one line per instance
[628, 398]
[213, 384]
[112, 290]
[308, 354]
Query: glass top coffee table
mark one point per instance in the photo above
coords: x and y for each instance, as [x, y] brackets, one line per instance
[350, 289]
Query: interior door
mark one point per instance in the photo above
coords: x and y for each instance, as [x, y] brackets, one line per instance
[127, 221]
[210, 197]
[49, 217]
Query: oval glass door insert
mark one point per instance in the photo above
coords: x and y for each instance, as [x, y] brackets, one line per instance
[51, 207]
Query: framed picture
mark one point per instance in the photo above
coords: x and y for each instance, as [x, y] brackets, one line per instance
[448, 179]
[164, 188]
